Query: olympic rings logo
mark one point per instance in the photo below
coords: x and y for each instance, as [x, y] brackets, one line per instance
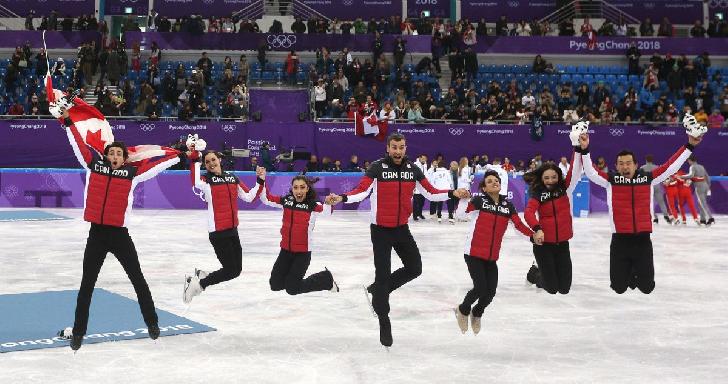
[649, 5]
[348, 3]
[513, 4]
[718, 4]
[147, 127]
[208, 1]
[456, 131]
[616, 131]
[281, 41]
[228, 128]
[128, 1]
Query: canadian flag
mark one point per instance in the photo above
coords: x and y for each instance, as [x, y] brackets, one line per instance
[370, 125]
[94, 128]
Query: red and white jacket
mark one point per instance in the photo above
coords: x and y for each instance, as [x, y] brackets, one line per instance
[488, 223]
[391, 187]
[630, 200]
[221, 194]
[299, 220]
[554, 207]
[109, 193]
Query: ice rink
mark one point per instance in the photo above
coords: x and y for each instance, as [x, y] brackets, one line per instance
[677, 334]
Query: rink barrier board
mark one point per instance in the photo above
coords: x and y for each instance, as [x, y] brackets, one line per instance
[64, 188]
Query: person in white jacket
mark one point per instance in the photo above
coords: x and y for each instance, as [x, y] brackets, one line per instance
[465, 179]
[441, 179]
[418, 200]
[496, 166]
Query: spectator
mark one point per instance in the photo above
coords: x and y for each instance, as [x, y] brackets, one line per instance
[716, 120]
[29, 20]
[586, 28]
[539, 64]
[346, 27]
[387, 113]
[622, 28]
[523, 29]
[377, 47]
[414, 115]
[715, 27]
[292, 67]
[566, 28]
[320, 98]
[701, 116]
[313, 164]
[16, 109]
[501, 26]
[482, 29]
[298, 26]
[646, 28]
[67, 24]
[155, 54]
[359, 26]
[528, 101]
[564, 165]
[665, 28]
[243, 68]
[354, 165]
[697, 30]
[399, 52]
[633, 59]
[602, 165]
[41, 63]
[153, 110]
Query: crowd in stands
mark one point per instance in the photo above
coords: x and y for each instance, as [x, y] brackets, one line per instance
[123, 84]
[660, 91]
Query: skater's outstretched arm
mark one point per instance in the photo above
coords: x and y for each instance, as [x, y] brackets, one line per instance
[266, 197]
[672, 165]
[524, 229]
[361, 192]
[148, 170]
[574, 174]
[323, 209]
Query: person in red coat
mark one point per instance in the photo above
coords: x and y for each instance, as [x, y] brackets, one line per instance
[685, 196]
[489, 215]
[391, 182]
[672, 196]
[548, 212]
[300, 210]
[629, 191]
[108, 199]
[220, 190]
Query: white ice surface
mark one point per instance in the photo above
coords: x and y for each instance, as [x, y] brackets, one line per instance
[678, 334]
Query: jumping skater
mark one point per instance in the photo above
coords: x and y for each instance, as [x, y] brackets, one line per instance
[490, 214]
[629, 190]
[391, 182]
[548, 212]
[109, 195]
[300, 210]
[220, 190]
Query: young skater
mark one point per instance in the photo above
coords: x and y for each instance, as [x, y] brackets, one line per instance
[549, 214]
[221, 191]
[109, 196]
[391, 182]
[701, 181]
[490, 214]
[300, 210]
[629, 190]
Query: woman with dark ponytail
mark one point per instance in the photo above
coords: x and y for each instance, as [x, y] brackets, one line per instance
[548, 212]
[300, 209]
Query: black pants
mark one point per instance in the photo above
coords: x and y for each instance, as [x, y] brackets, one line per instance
[229, 253]
[418, 202]
[450, 207]
[288, 272]
[554, 265]
[485, 281]
[433, 207]
[103, 239]
[385, 281]
[631, 256]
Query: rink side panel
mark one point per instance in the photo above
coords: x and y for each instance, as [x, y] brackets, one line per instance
[64, 188]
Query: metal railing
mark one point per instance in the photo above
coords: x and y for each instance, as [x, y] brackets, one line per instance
[253, 11]
[6, 12]
[592, 9]
[300, 9]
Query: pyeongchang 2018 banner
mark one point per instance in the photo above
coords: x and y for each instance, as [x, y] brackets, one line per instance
[42, 8]
[514, 10]
[353, 9]
[436, 8]
[204, 8]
